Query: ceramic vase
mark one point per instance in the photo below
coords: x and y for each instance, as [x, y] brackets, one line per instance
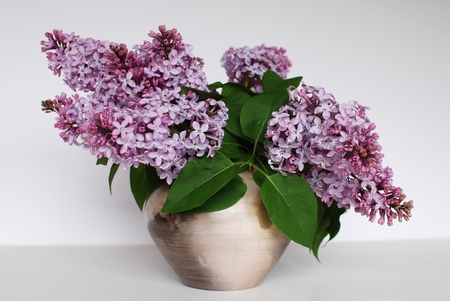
[231, 249]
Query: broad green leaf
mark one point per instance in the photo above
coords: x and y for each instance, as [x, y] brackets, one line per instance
[215, 86]
[292, 207]
[257, 111]
[230, 88]
[230, 146]
[244, 158]
[328, 225]
[138, 184]
[234, 103]
[102, 161]
[335, 224]
[226, 197]
[294, 82]
[264, 171]
[153, 180]
[323, 217]
[259, 178]
[112, 173]
[200, 179]
[254, 116]
[271, 81]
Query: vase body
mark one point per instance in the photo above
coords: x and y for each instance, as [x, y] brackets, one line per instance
[231, 249]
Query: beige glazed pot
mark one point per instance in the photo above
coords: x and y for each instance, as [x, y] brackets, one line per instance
[232, 249]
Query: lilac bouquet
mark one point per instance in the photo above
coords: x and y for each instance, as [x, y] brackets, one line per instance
[135, 112]
[151, 110]
[333, 147]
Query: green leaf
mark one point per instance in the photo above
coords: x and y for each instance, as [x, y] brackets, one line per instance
[230, 146]
[257, 111]
[328, 225]
[215, 86]
[234, 103]
[112, 173]
[335, 224]
[294, 82]
[259, 178]
[292, 207]
[263, 171]
[226, 197]
[102, 161]
[230, 88]
[323, 217]
[244, 158]
[138, 184]
[271, 81]
[152, 179]
[200, 179]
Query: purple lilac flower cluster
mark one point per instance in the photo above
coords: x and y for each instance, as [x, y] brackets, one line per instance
[134, 112]
[247, 65]
[334, 148]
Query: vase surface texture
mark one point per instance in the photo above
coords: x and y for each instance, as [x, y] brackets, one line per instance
[231, 249]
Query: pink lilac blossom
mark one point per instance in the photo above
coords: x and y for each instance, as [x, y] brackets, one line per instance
[133, 111]
[247, 65]
[333, 147]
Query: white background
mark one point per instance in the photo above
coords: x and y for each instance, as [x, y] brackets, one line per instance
[392, 56]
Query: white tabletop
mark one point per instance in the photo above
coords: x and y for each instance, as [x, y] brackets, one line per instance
[406, 270]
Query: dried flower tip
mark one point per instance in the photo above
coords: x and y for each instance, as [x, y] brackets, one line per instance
[48, 106]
